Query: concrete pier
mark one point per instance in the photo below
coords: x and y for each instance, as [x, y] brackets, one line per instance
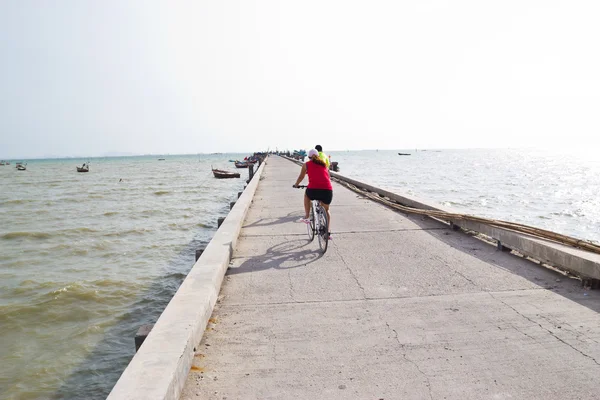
[400, 307]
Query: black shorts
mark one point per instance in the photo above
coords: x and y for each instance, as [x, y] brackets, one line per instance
[323, 195]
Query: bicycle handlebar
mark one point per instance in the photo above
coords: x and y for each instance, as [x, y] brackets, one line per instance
[299, 186]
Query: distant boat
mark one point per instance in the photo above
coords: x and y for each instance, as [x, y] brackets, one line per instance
[221, 174]
[21, 166]
[84, 168]
[161, 159]
[3, 162]
[404, 154]
[241, 164]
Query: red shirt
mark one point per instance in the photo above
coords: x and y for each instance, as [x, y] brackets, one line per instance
[318, 176]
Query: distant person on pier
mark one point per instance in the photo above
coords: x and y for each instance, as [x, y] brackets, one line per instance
[319, 185]
[322, 155]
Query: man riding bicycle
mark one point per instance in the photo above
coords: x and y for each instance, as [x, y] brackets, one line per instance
[322, 155]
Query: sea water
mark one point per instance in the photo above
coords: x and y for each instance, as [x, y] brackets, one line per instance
[550, 189]
[86, 258]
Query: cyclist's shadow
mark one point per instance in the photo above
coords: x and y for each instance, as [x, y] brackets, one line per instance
[290, 217]
[286, 255]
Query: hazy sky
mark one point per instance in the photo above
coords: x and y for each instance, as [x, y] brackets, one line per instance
[92, 77]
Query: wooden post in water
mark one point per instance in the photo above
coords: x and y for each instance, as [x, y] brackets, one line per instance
[142, 334]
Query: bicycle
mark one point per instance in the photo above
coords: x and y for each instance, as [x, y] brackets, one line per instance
[318, 225]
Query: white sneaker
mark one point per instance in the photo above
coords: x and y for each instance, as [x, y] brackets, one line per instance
[305, 220]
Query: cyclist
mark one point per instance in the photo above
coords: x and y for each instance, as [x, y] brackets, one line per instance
[319, 185]
[322, 155]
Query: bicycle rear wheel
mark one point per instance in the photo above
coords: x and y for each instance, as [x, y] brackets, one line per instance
[311, 227]
[323, 232]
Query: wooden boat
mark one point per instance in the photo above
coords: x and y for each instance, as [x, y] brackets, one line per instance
[21, 167]
[241, 164]
[84, 168]
[220, 174]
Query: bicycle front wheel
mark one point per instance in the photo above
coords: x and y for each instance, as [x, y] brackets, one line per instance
[323, 232]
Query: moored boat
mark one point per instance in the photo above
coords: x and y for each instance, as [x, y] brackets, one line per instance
[21, 167]
[221, 174]
[241, 164]
[84, 168]
[404, 154]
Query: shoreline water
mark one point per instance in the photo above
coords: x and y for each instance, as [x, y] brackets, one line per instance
[86, 259]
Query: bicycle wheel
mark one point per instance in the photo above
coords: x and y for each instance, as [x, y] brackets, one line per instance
[323, 229]
[311, 227]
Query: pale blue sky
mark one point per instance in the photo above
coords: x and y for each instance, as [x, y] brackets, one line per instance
[90, 77]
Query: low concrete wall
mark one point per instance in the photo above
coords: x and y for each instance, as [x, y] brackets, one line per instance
[578, 262]
[159, 369]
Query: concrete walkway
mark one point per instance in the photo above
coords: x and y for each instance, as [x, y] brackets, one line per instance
[399, 307]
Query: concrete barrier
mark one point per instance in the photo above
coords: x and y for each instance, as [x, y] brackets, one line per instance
[159, 369]
[577, 262]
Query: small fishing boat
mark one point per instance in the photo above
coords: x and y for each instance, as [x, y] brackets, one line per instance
[84, 168]
[404, 154]
[241, 164]
[3, 162]
[21, 167]
[221, 174]
[161, 159]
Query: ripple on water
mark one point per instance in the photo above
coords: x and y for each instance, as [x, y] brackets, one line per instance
[25, 235]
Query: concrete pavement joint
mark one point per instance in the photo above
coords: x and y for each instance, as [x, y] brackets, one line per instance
[281, 303]
[545, 329]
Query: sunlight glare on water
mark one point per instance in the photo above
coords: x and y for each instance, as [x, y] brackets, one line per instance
[551, 189]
